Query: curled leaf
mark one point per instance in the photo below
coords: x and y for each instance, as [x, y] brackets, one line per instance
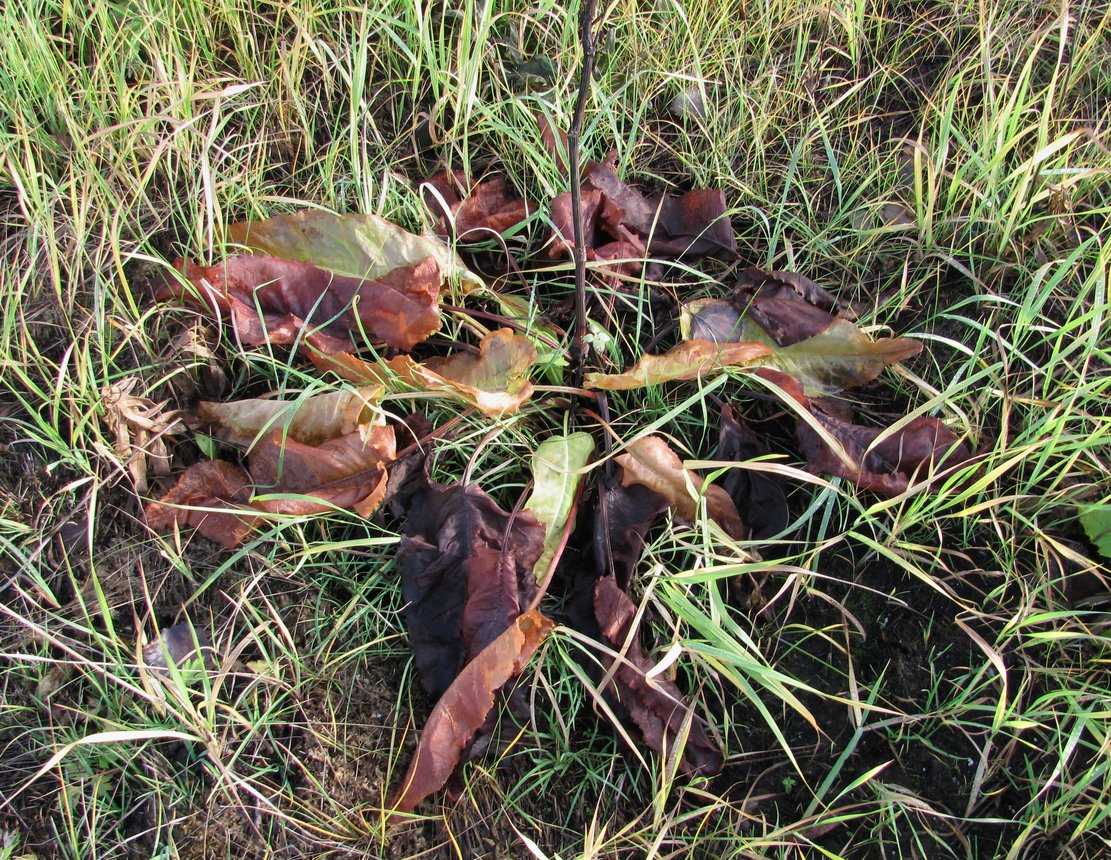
[464, 707]
[650, 462]
[466, 573]
[211, 497]
[656, 705]
[691, 359]
[495, 381]
[269, 299]
[474, 210]
[310, 420]
[880, 459]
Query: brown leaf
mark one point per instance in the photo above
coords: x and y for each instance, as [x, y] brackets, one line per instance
[269, 299]
[922, 445]
[139, 427]
[622, 519]
[466, 572]
[693, 225]
[788, 306]
[650, 462]
[759, 494]
[888, 468]
[221, 488]
[692, 359]
[656, 705]
[495, 381]
[464, 707]
[347, 472]
[310, 420]
[476, 210]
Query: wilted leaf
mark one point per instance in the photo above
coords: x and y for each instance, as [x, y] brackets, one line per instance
[692, 359]
[475, 211]
[650, 462]
[656, 705]
[695, 224]
[139, 427]
[358, 246]
[759, 494]
[310, 420]
[347, 472]
[622, 519]
[466, 573]
[495, 381]
[886, 467]
[268, 299]
[464, 707]
[840, 356]
[210, 497]
[557, 465]
[788, 306]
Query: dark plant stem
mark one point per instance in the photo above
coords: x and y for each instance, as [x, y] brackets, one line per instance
[578, 345]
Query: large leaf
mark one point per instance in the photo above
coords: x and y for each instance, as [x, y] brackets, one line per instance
[884, 460]
[692, 225]
[495, 381]
[310, 420]
[693, 359]
[656, 705]
[759, 494]
[557, 471]
[650, 462]
[475, 212]
[348, 471]
[280, 301]
[840, 356]
[466, 573]
[211, 497]
[465, 706]
[357, 246]
[621, 521]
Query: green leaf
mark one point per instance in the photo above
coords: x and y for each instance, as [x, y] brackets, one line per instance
[557, 466]
[358, 246]
[1096, 520]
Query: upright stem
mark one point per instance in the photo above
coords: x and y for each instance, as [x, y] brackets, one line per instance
[578, 344]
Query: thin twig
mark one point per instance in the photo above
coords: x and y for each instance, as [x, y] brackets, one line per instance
[578, 345]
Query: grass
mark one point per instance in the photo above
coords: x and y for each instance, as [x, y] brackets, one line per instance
[929, 677]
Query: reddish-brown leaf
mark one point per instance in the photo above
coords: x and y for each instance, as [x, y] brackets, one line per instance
[921, 446]
[656, 705]
[211, 497]
[464, 707]
[476, 210]
[286, 301]
[466, 573]
[695, 224]
[650, 462]
[348, 472]
[788, 306]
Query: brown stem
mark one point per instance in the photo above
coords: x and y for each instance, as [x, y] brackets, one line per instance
[578, 345]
